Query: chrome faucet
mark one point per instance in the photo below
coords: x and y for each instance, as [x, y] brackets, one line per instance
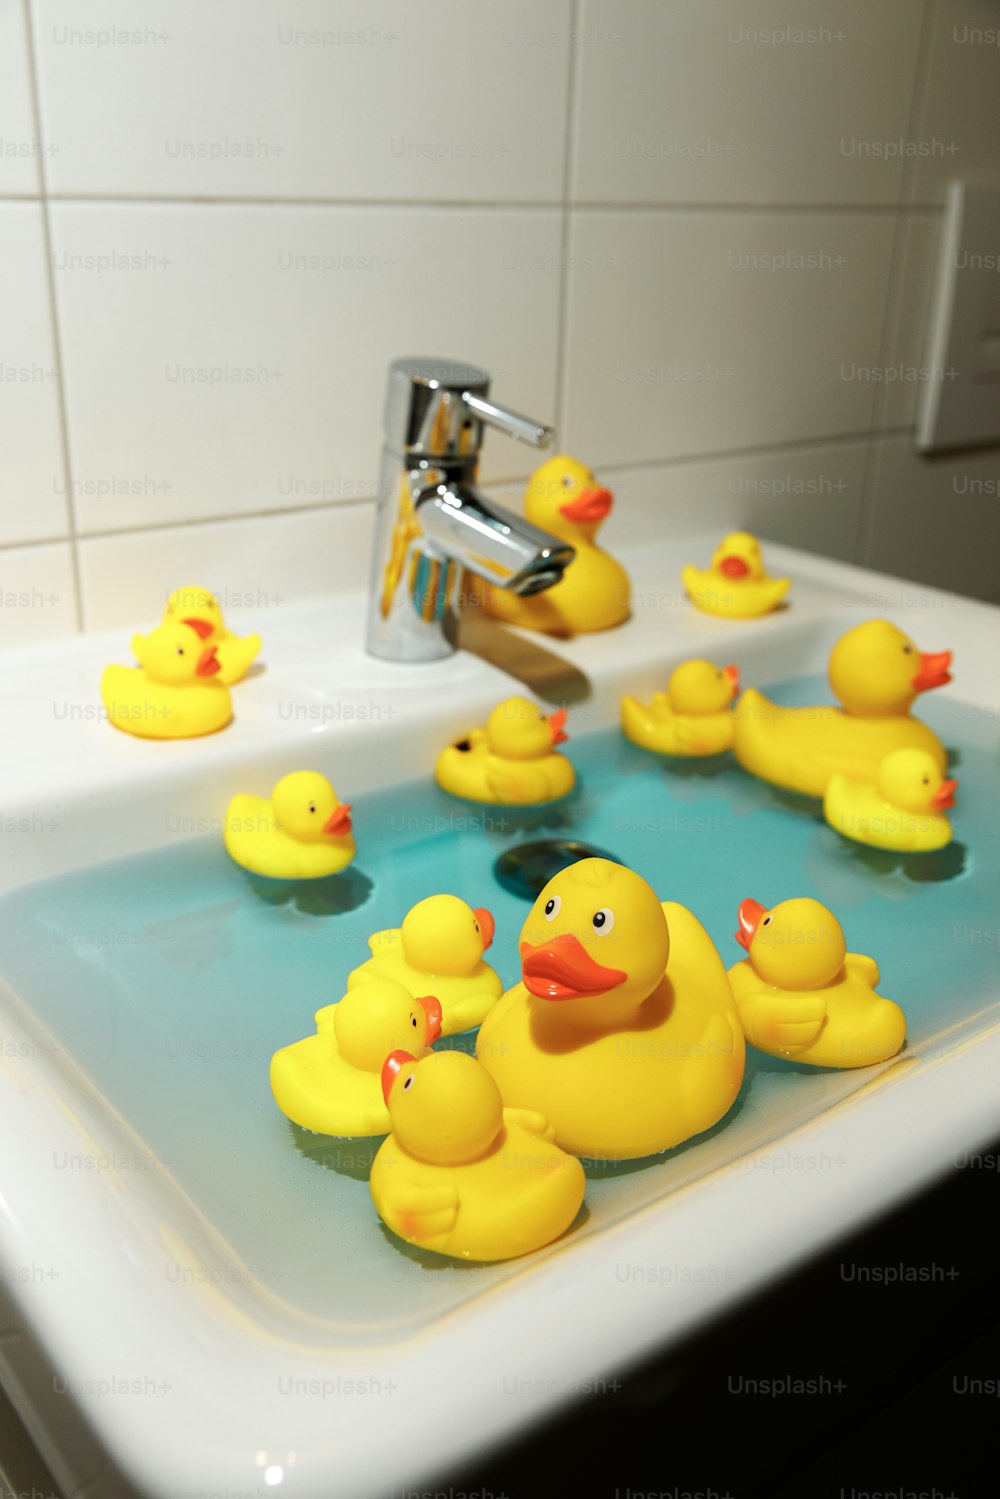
[432, 521]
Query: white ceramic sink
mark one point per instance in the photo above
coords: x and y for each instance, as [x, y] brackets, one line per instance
[134, 1349]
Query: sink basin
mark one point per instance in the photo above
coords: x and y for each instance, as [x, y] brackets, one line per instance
[209, 1287]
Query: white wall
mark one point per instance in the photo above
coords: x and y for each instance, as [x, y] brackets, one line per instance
[696, 234]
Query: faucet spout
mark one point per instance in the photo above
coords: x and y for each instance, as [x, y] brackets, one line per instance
[459, 521]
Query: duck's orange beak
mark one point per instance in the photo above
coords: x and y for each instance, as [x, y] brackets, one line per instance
[589, 507]
[209, 663]
[734, 567]
[339, 820]
[201, 627]
[933, 671]
[564, 969]
[750, 914]
[944, 796]
[556, 722]
[733, 673]
[432, 1009]
[487, 926]
[390, 1070]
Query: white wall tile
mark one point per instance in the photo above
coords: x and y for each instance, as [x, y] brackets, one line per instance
[914, 271]
[254, 566]
[935, 519]
[32, 483]
[236, 361]
[37, 594]
[19, 145]
[806, 497]
[299, 98]
[717, 101]
[959, 124]
[686, 335]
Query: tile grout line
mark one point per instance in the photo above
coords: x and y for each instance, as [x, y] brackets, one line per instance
[50, 282]
[562, 304]
[901, 245]
[336, 507]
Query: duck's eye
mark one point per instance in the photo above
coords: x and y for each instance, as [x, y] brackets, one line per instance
[603, 921]
[766, 921]
[552, 907]
[907, 650]
[413, 1021]
[567, 480]
[408, 1084]
[180, 650]
[312, 806]
[927, 780]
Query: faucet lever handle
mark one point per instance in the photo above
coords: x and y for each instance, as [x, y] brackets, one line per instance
[520, 428]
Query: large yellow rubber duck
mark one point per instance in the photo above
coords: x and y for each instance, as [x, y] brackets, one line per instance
[302, 833]
[876, 671]
[736, 584]
[564, 498]
[439, 950]
[513, 761]
[801, 995]
[199, 608]
[175, 694]
[331, 1083]
[462, 1175]
[622, 1031]
[692, 717]
[903, 810]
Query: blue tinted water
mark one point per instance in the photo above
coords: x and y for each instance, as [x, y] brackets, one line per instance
[172, 977]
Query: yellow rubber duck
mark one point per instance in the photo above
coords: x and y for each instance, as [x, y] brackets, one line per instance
[692, 717]
[876, 671]
[903, 810]
[564, 498]
[439, 950]
[736, 584]
[803, 996]
[175, 694]
[462, 1175]
[302, 833]
[512, 762]
[622, 1031]
[199, 608]
[331, 1083]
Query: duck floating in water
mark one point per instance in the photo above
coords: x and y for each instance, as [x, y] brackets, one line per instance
[512, 761]
[877, 672]
[302, 833]
[736, 584]
[623, 1031]
[462, 1175]
[439, 950]
[564, 498]
[199, 608]
[691, 718]
[331, 1083]
[175, 694]
[904, 809]
[801, 995]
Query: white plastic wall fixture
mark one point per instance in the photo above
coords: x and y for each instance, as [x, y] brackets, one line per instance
[960, 405]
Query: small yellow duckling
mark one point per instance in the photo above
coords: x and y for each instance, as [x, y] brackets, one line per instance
[439, 950]
[512, 762]
[564, 498]
[904, 810]
[735, 585]
[622, 1031]
[803, 996]
[876, 671]
[460, 1174]
[174, 695]
[692, 717]
[200, 609]
[302, 833]
[331, 1083]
